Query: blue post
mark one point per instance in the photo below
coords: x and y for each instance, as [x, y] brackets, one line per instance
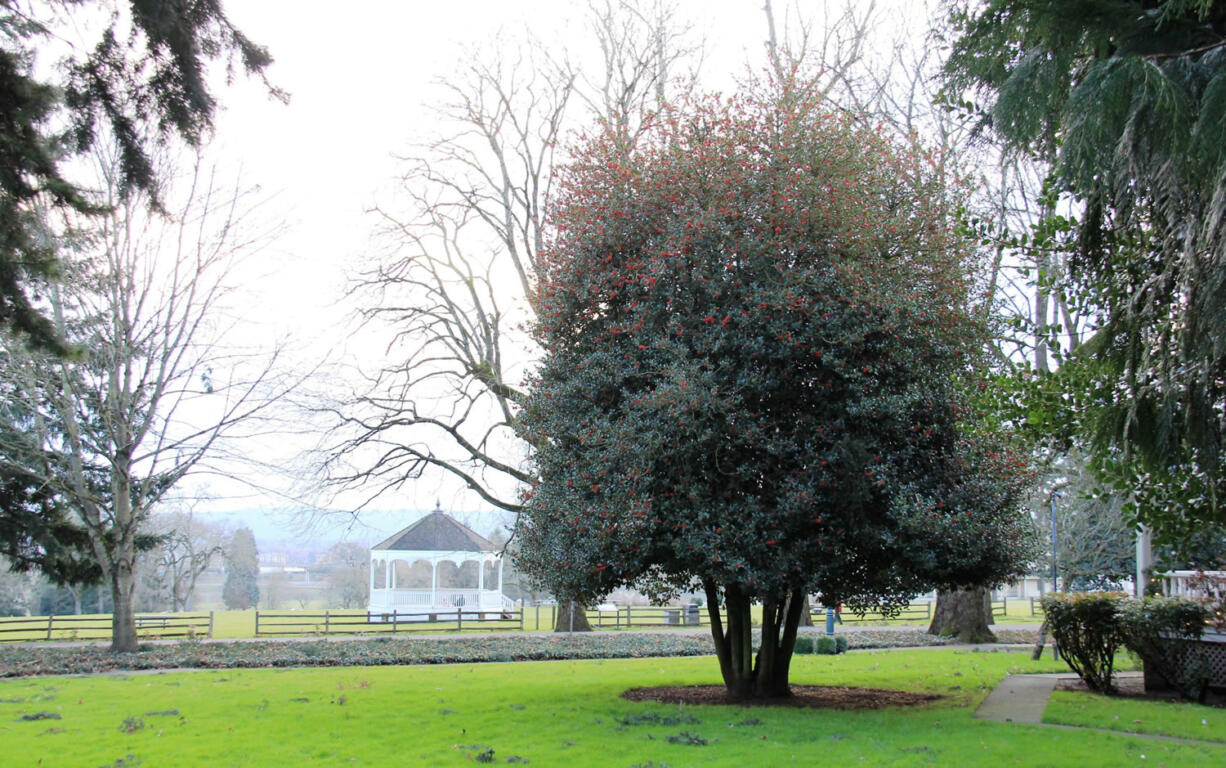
[829, 621]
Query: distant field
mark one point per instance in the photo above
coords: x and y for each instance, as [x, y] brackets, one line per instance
[238, 625]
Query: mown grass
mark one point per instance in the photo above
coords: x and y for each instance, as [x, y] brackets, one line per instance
[1168, 718]
[548, 713]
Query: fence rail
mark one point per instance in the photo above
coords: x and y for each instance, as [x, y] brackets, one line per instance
[630, 616]
[922, 610]
[298, 623]
[148, 626]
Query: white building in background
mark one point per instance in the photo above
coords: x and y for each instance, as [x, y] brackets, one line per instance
[437, 565]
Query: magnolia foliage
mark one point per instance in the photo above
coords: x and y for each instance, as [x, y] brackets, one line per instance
[760, 345]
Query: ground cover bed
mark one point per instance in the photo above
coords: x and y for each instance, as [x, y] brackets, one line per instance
[544, 713]
[16, 661]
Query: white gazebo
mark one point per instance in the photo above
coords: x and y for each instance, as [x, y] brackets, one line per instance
[435, 566]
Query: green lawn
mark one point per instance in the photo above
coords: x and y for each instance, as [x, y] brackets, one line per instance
[1181, 719]
[549, 713]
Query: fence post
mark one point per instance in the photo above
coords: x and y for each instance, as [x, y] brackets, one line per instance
[459, 620]
[521, 615]
[50, 619]
[210, 625]
[327, 622]
[257, 623]
[395, 619]
[628, 607]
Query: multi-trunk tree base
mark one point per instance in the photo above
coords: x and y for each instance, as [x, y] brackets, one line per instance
[748, 675]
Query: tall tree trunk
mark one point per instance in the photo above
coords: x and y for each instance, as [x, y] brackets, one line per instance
[571, 617]
[964, 614]
[123, 618]
[806, 614]
[745, 675]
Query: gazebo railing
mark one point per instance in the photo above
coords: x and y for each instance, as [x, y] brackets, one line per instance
[407, 600]
[300, 623]
[1186, 583]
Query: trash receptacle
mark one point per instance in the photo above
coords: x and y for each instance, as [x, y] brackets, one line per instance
[691, 614]
[672, 616]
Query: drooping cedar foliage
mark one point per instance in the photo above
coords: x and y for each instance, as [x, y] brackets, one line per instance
[1127, 99]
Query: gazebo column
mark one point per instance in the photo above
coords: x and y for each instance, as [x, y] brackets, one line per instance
[434, 584]
[499, 575]
[481, 575]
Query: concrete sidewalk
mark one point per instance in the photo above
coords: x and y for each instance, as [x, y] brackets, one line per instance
[1022, 698]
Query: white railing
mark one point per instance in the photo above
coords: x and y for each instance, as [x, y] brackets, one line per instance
[1180, 583]
[409, 600]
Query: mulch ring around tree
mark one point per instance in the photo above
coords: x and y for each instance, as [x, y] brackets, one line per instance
[804, 696]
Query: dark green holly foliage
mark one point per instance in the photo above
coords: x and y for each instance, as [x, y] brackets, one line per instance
[241, 589]
[758, 345]
[143, 80]
[1128, 99]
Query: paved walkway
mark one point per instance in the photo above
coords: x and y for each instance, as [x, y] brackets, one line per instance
[1022, 699]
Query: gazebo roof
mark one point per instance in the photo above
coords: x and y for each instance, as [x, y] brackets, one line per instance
[437, 532]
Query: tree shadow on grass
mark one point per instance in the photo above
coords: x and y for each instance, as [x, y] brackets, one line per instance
[803, 696]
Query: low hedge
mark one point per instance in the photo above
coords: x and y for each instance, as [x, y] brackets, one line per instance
[1089, 627]
[1162, 632]
[45, 659]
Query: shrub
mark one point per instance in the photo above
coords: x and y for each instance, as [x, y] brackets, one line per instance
[804, 644]
[1087, 629]
[1162, 632]
[840, 644]
[827, 645]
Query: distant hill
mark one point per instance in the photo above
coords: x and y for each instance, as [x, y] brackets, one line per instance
[286, 527]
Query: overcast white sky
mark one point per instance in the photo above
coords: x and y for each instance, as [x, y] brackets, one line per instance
[360, 77]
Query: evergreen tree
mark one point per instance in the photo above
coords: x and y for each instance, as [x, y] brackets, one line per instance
[241, 589]
[759, 340]
[1127, 98]
[144, 76]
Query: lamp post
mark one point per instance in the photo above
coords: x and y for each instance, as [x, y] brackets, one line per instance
[1055, 653]
[1054, 541]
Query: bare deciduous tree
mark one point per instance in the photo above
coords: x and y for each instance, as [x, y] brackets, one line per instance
[156, 389]
[187, 547]
[455, 289]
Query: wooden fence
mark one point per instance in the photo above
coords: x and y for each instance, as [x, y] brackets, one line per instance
[913, 612]
[631, 616]
[298, 623]
[153, 626]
